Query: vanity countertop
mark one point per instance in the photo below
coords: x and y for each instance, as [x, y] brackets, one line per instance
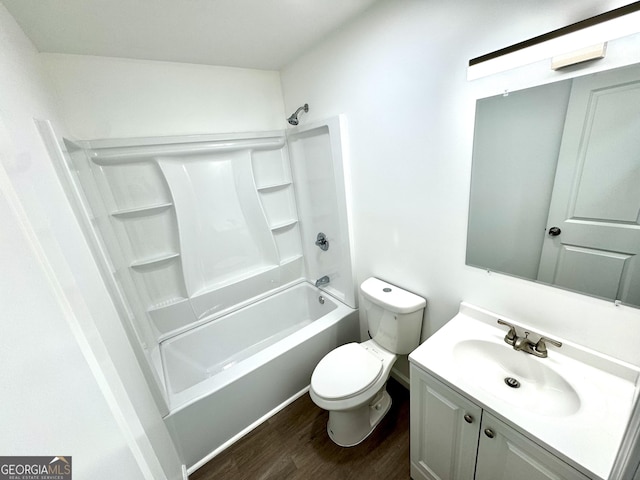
[576, 402]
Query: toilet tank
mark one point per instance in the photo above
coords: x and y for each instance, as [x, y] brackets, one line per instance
[393, 315]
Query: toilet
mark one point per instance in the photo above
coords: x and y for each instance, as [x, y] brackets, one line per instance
[350, 381]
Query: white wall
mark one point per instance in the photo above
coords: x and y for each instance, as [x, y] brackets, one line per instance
[102, 97]
[70, 382]
[399, 75]
[51, 402]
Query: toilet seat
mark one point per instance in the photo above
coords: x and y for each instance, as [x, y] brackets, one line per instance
[345, 372]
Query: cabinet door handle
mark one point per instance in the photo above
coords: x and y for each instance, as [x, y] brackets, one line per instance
[468, 418]
[489, 433]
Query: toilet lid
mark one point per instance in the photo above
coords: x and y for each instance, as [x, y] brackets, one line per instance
[345, 372]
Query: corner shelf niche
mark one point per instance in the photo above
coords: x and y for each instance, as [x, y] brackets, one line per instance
[279, 206]
[143, 220]
[272, 177]
[287, 238]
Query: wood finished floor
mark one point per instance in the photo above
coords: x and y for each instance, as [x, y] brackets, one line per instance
[294, 445]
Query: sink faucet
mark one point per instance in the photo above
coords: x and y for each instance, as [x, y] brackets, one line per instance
[538, 349]
[524, 344]
[322, 281]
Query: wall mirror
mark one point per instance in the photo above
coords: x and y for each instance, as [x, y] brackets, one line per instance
[555, 188]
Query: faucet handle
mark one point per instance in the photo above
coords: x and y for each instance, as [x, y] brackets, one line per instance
[510, 337]
[541, 346]
[322, 242]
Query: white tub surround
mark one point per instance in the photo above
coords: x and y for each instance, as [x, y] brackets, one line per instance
[320, 172]
[196, 225]
[185, 225]
[190, 230]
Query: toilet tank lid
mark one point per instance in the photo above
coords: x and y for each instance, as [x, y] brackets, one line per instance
[390, 297]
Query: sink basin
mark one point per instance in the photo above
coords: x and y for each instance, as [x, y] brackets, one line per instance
[541, 390]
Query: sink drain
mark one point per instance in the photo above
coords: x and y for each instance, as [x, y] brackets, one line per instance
[512, 382]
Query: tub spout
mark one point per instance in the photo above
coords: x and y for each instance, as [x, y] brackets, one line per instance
[322, 281]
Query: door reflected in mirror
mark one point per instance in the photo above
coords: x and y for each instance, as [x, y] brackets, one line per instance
[555, 187]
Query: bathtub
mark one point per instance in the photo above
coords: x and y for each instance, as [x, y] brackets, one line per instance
[226, 377]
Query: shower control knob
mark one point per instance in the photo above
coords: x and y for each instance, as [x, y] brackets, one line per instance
[322, 242]
[554, 231]
[468, 418]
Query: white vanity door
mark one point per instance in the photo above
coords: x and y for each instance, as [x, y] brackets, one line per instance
[504, 454]
[596, 196]
[444, 431]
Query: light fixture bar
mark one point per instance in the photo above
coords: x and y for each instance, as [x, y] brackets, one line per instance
[603, 17]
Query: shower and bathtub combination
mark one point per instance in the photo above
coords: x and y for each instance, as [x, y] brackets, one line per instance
[229, 258]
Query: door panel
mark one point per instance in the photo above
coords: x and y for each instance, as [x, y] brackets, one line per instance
[608, 188]
[576, 263]
[596, 196]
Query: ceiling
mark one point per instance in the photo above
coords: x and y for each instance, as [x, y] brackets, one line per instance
[263, 34]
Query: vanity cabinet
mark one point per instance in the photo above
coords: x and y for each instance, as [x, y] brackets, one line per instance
[452, 438]
[445, 428]
[503, 454]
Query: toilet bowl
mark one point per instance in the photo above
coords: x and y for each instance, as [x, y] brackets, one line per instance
[350, 381]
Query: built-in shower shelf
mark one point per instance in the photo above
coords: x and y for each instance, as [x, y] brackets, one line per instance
[166, 303]
[142, 211]
[273, 186]
[291, 259]
[236, 279]
[155, 262]
[284, 225]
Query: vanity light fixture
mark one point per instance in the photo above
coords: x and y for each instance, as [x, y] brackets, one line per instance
[611, 25]
[589, 22]
[594, 52]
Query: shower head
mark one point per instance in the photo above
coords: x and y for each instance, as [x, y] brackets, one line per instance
[293, 119]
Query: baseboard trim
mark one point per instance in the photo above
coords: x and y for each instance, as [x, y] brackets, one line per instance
[401, 378]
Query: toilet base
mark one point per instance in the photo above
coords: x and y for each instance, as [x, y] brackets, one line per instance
[348, 428]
